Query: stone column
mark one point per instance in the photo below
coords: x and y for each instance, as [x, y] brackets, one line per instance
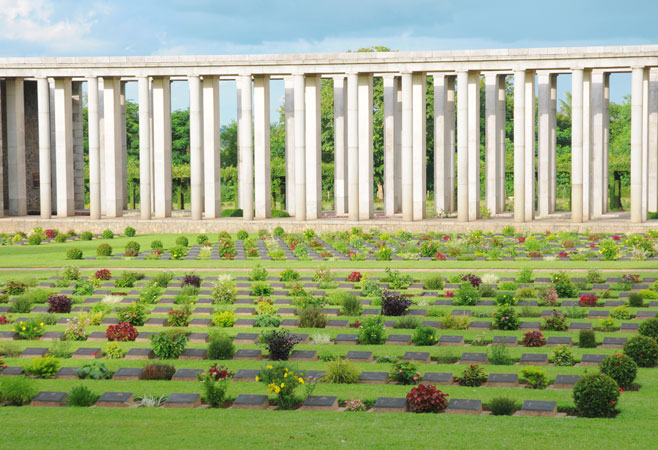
[262, 171]
[64, 147]
[144, 148]
[598, 178]
[289, 106]
[587, 145]
[606, 140]
[43, 93]
[501, 134]
[406, 158]
[544, 136]
[519, 145]
[419, 158]
[245, 147]
[577, 78]
[473, 145]
[162, 147]
[493, 159]
[113, 172]
[300, 146]
[529, 146]
[443, 150]
[398, 144]
[78, 146]
[462, 147]
[340, 145]
[124, 146]
[366, 196]
[16, 180]
[94, 149]
[313, 98]
[552, 151]
[390, 100]
[652, 194]
[353, 145]
[212, 193]
[638, 75]
[645, 145]
[196, 150]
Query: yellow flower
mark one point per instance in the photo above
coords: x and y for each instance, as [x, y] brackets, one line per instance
[301, 381]
[285, 375]
[257, 378]
[41, 324]
[277, 389]
[268, 367]
[23, 328]
[283, 385]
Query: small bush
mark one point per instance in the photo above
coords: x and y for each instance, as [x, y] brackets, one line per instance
[104, 249]
[620, 368]
[17, 391]
[596, 395]
[221, 347]
[267, 321]
[350, 305]
[168, 344]
[215, 384]
[81, 396]
[157, 371]
[395, 304]
[506, 318]
[506, 298]
[371, 331]
[122, 332]
[426, 399]
[224, 319]
[258, 273]
[562, 356]
[95, 371]
[59, 304]
[636, 300]
[261, 289]
[556, 322]
[289, 275]
[21, 305]
[341, 371]
[407, 322]
[182, 241]
[156, 245]
[649, 328]
[43, 367]
[34, 239]
[279, 344]
[588, 300]
[242, 235]
[500, 355]
[535, 377]
[425, 336]
[74, 253]
[643, 350]
[405, 372]
[114, 351]
[467, 295]
[472, 376]
[312, 316]
[434, 283]
[107, 234]
[533, 339]
[586, 339]
[502, 406]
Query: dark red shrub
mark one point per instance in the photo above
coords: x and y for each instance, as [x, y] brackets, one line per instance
[534, 339]
[50, 234]
[588, 300]
[426, 398]
[103, 274]
[220, 373]
[439, 256]
[354, 277]
[59, 304]
[395, 304]
[123, 332]
[473, 279]
[191, 280]
[4, 320]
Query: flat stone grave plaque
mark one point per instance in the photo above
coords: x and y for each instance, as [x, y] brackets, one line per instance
[398, 339]
[115, 400]
[283, 301]
[547, 313]
[451, 340]
[186, 374]
[614, 342]
[245, 311]
[464, 406]
[143, 336]
[363, 302]
[528, 303]
[597, 314]
[48, 398]
[194, 353]
[245, 353]
[203, 310]
[539, 359]
[443, 303]
[286, 311]
[503, 380]
[645, 314]
[248, 401]
[51, 336]
[629, 327]
[336, 323]
[183, 401]
[470, 358]
[292, 323]
[244, 301]
[614, 303]
[97, 336]
[437, 378]
[624, 294]
[313, 374]
[480, 325]
[460, 312]
[67, 373]
[12, 371]
[346, 339]
[246, 375]
[652, 304]
[320, 403]
[244, 323]
[87, 352]
[600, 286]
[62, 321]
[423, 357]
[529, 325]
[592, 360]
[580, 326]
[389, 404]
[128, 373]
[431, 323]
[417, 312]
[200, 322]
[359, 356]
[161, 310]
[7, 335]
[140, 353]
[302, 338]
[331, 311]
[538, 408]
[371, 312]
[570, 303]
[303, 355]
[198, 337]
[204, 301]
[166, 301]
[558, 340]
[5, 309]
[373, 377]
[565, 381]
[114, 321]
[34, 352]
[155, 322]
[41, 309]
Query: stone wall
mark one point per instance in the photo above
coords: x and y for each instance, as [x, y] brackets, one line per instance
[32, 147]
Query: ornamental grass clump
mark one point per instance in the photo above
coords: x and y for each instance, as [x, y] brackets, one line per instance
[81, 396]
[17, 391]
[341, 371]
[282, 379]
[426, 399]
[350, 305]
[220, 347]
[502, 406]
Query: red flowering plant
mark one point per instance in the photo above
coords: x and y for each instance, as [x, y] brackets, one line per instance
[4, 319]
[226, 248]
[50, 234]
[2, 365]
[450, 294]
[533, 339]
[563, 254]
[123, 332]
[588, 300]
[103, 274]
[357, 324]
[521, 239]
[427, 399]
[179, 318]
[354, 277]
[438, 256]
[405, 372]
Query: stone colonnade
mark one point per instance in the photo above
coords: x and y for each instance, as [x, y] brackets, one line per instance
[456, 78]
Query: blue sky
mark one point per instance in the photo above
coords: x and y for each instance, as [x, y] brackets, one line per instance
[161, 27]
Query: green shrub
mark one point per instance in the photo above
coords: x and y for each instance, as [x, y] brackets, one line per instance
[341, 371]
[261, 289]
[562, 356]
[499, 355]
[157, 371]
[371, 331]
[535, 377]
[242, 235]
[107, 234]
[425, 336]
[74, 253]
[312, 316]
[60, 238]
[221, 347]
[113, 350]
[407, 322]
[643, 350]
[156, 245]
[508, 286]
[267, 321]
[596, 395]
[289, 275]
[563, 285]
[224, 319]
[405, 372]
[525, 275]
[43, 367]
[472, 376]
[526, 292]
[636, 300]
[586, 339]
[21, 305]
[104, 249]
[17, 391]
[168, 344]
[649, 328]
[350, 305]
[224, 290]
[450, 322]
[34, 239]
[86, 236]
[620, 368]
[132, 245]
[506, 298]
[434, 283]
[95, 371]
[81, 396]
[258, 273]
[502, 406]
[505, 317]
[278, 231]
[182, 241]
[467, 295]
